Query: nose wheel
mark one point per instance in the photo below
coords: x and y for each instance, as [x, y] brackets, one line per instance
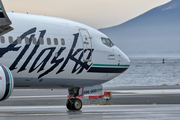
[74, 104]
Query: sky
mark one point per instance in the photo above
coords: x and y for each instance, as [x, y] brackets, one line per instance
[95, 13]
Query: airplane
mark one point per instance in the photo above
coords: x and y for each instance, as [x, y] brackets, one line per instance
[41, 52]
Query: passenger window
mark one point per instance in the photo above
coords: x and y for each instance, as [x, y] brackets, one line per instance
[41, 41]
[34, 40]
[56, 54]
[2, 39]
[27, 40]
[107, 42]
[48, 41]
[19, 40]
[62, 41]
[55, 41]
[10, 39]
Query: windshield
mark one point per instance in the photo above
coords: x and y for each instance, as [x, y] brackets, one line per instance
[107, 42]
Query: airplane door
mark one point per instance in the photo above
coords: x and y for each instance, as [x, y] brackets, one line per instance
[87, 45]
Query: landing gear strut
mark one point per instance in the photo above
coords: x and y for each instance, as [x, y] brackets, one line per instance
[73, 103]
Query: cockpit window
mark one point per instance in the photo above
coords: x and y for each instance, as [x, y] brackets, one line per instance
[104, 41]
[107, 42]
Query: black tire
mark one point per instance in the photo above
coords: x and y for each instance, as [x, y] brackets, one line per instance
[77, 104]
[69, 104]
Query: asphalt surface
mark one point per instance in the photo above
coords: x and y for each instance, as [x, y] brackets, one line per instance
[92, 112]
[120, 96]
[148, 102]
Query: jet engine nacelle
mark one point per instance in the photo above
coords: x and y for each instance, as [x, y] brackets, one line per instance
[6, 82]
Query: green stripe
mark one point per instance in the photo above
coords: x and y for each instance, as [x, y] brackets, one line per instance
[10, 81]
[0, 8]
[111, 65]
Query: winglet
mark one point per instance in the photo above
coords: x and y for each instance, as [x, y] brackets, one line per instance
[4, 21]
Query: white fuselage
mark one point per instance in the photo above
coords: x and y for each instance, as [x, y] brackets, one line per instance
[79, 59]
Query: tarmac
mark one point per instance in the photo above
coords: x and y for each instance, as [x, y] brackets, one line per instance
[145, 102]
[92, 112]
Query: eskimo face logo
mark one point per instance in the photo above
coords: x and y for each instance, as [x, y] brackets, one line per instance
[55, 62]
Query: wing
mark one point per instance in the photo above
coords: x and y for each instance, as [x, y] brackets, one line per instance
[4, 21]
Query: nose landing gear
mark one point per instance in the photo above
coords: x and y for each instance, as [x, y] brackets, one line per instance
[73, 103]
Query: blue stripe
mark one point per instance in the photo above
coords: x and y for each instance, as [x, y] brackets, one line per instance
[7, 83]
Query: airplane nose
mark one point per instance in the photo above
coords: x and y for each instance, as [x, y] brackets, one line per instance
[126, 59]
[122, 58]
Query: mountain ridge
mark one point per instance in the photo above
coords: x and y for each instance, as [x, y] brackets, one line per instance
[155, 31]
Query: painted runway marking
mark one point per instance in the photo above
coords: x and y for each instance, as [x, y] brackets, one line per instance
[164, 91]
[49, 96]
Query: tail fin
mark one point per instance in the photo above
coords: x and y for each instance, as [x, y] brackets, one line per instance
[4, 21]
